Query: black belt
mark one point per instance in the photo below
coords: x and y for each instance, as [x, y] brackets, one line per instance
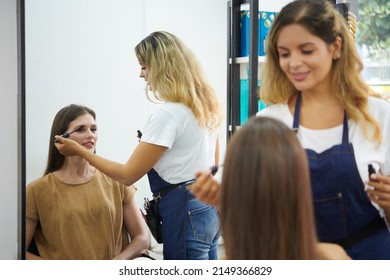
[362, 233]
[170, 187]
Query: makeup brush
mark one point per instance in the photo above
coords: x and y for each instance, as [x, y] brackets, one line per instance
[214, 169]
[371, 170]
[67, 134]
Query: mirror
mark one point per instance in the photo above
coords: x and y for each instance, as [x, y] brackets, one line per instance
[11, 127]
[82, 51]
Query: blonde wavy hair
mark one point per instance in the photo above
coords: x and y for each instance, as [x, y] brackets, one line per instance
[322, 19]
[176, 76]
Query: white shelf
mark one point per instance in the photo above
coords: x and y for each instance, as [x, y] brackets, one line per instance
[245, 59]
[378, 83]
[243, 62]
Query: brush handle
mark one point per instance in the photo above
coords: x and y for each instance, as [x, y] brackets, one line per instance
[371, 170]
[214, 169]
[65, 135]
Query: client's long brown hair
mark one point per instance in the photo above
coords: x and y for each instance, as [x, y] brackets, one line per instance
[266, 202]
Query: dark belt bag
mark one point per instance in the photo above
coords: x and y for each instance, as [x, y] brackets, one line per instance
[153, 218]
[152, 214]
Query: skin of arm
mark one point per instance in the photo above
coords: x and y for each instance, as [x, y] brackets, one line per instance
[380, 193]
[330, 251]
[140, 162]
[135, 226]
[30, 230]
[217, 151]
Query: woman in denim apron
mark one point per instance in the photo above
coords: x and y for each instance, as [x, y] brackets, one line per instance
[343, 212]
[178, 138]
[312, 78]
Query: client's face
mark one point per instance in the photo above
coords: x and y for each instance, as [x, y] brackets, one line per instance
[86, 131]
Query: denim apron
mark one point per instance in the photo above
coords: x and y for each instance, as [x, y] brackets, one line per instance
[173, 211]
[343, 212]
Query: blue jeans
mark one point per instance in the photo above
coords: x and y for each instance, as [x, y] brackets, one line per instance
[203, 231]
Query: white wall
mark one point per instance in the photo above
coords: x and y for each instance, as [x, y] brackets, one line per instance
[82, 52]
[10, 182]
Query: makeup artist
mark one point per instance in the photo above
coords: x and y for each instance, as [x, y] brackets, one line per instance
[179, 137]
[339, 121]
[74, 211]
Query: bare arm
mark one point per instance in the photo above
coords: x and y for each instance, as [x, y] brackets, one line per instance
[135, 226]
[140, 162]
[30, 230]
[217, 151]
[331, 251]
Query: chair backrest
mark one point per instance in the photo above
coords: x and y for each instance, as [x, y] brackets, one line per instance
[33, 247]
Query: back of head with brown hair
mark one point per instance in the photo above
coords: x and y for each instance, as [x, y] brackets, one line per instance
[266, 203]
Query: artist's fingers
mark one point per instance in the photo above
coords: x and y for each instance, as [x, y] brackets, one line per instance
[380, 191]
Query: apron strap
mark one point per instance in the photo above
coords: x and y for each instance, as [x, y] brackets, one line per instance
[297, 112]
[345, 139]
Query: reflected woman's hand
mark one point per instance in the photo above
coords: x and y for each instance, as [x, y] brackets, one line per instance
[67, 147]
[206, 188]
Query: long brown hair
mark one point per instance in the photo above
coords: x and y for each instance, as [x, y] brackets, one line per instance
[266, 202]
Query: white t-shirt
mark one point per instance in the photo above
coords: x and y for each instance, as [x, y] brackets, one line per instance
[366, 151]
[190, 147]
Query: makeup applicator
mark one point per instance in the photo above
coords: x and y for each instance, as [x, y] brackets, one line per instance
[67, 134]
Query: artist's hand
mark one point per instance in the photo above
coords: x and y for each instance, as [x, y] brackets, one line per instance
[206, 188]
[380, 193]
[66, 146]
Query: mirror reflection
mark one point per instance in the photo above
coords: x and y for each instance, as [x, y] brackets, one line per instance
[82, 52]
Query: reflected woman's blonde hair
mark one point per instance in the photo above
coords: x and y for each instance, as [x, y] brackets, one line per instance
[176, 76]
